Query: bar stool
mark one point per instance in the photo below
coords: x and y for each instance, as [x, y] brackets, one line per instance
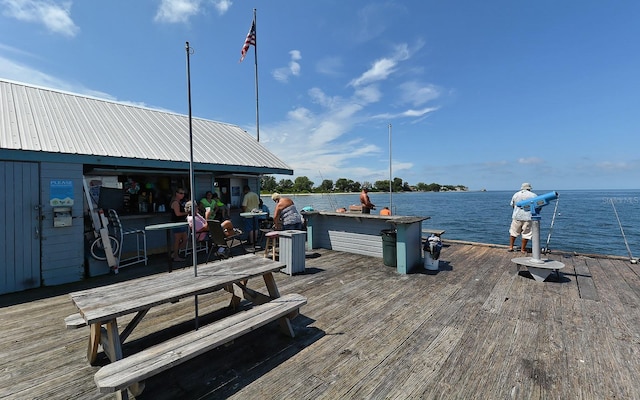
[272, 240]
[118, 231]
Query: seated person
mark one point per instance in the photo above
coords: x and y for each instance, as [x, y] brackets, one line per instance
[202, 226]
[212, 201]
[207, 201]
[385, 211]
[219, 208]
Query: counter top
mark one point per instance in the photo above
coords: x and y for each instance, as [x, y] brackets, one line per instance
[393, 219]
[165, 215]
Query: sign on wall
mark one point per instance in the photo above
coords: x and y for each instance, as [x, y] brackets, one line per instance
[61, 192]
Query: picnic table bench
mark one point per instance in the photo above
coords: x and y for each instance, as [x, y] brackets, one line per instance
[101, 307]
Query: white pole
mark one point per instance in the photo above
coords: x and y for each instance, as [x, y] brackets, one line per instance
[255, 53]
[191, 182]
[390, 175]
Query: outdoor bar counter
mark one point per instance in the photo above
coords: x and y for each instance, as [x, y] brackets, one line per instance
[360, 233]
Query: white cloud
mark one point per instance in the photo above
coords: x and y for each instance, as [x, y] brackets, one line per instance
[368, 94]
[15, 71]
[282, 74]
[55, 17]
[222, 6]
[617, 166]
[416, 93]
[407, 113]
[382, 68]
[324, 138]
[180, 11]
[530, 160]
[331, 66]
[177, 11]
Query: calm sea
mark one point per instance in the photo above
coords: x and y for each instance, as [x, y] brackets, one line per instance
[585, 221]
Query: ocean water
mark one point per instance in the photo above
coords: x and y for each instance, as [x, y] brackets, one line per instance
[585, 221]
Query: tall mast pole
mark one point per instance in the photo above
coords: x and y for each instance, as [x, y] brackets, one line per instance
[390, 175]
[191, 180]
[255, 58]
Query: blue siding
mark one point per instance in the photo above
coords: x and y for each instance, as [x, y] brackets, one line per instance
[19, 243]
[62, 248]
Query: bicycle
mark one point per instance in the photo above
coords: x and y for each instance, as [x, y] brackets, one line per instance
[98, 251]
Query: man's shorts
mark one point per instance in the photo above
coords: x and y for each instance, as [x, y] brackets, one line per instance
[249, 225]
[520, 228]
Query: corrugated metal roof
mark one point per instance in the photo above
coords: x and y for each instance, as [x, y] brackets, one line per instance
[46, 120]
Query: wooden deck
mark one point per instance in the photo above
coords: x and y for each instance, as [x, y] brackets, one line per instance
[475, 329]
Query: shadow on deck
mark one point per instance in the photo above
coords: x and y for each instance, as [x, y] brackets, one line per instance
[474, 329]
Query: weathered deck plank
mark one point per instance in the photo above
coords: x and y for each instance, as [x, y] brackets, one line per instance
[475, 328]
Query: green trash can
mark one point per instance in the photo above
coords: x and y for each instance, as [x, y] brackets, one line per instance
[389, 247]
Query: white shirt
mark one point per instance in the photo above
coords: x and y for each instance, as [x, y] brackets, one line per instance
[519, 213]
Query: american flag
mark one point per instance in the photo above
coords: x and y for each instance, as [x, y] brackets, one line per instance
[250, 40]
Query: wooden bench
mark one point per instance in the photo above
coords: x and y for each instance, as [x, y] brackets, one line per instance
[74, 321]
[133, 370]
[437, 232]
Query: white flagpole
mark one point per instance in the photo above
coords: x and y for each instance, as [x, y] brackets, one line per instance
[193, 209]
[390, 175]
[191, 178]
[255, 53]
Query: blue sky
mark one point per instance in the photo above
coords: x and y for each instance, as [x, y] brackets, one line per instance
[486, 94]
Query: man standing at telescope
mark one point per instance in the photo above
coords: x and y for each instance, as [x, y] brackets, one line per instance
[521, 218]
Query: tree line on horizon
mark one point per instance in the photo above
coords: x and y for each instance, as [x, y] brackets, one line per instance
[303, 184]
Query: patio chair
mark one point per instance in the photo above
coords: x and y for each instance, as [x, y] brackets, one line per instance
[219, 240]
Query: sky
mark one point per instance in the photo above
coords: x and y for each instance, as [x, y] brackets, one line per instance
[485, 94]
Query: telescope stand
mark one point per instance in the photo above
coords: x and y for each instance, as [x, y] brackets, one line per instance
[540, 269]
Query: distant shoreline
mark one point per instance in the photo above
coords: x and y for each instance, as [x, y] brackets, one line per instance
[370, 192]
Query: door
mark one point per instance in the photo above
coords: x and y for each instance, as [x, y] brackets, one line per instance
[20, 231]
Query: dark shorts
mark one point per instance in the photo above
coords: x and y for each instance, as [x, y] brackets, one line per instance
[179, 229]
[249, 224]
[366, 210]
[290, 227]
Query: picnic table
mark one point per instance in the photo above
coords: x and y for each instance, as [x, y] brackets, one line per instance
[101, 308]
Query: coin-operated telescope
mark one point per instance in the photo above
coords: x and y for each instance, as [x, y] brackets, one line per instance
[535, 204]
[539, 269]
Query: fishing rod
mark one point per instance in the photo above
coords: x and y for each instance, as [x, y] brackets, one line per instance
[631, 259]
[332, 201]
[546, 250]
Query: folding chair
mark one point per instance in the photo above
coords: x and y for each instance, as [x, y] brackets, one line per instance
[219, 240]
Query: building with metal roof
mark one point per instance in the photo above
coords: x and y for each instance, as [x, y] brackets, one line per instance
[43, 124]
[55, 145]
